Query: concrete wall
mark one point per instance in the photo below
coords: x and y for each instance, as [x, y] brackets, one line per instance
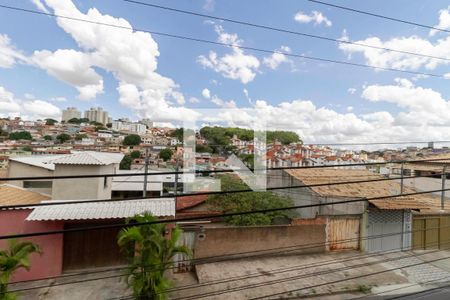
[82, 188]
[50, 262]
[17, 169]
[306, 196]
[237, 240]
[300, 196]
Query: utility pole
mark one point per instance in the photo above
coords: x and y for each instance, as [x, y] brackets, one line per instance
[444, 175]
[401, 179]
[146, 171]
[176, 178]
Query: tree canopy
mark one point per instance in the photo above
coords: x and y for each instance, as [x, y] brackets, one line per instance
[135, 154]
[48, 137]
[80, 136]
[240, 202]
[50, 121]
[165, 154]
[125, 163]
[132, 140]
[63, 137]
[20, 135]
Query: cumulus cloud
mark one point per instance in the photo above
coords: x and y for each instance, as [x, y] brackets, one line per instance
[423, 105]
[9, 55]
[40, 5]
[131, 57]
[208, 5]
[277, 58]
[235, 65]
[351, 91]
[222, 103]
[28, 109]
[315, 17]
[390, 59]
[444, 21]
[72, 67]
[206, 93]
[194, 100]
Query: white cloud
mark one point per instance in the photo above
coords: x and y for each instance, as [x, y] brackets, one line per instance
[222, 103]
[27, 109]
[349, 108]
[208, 5]
[444, 21]
[390, 59]
[206, 93]
[40, 5]
[130, 56]
[277, 58]
[72, 67]
[58, 99]
[316, 17]
[9, 55]
[194, 100]
[351, 91]
[236, 65]
[423, 105]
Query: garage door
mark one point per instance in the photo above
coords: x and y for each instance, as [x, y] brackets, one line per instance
[385, 230]
[343, 233]
[91, 249]
[431, 232]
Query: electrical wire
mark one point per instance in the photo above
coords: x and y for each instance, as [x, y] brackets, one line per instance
[348, 278]
[271, 28]
[199, 40]
[206, 172]
[72, 202]
[222, 258]
[163, 221]
[379, 16]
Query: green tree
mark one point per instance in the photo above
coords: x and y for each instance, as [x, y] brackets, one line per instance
[150, 254]
[135, 154]
[63, 137]
[50, 121]
[74, 121]
[27, 148]
[165, 154]
[48, 138]
[20, 135]
[132, 140]
[125, 163]
[203, 148]
[80, 136]
[12, 259]
[249, 201]
[284, 137]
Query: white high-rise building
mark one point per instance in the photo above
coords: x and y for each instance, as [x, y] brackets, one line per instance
[147, 122]
[97, 114]
[70, 113]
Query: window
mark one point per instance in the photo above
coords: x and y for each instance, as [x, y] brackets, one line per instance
[37, 184]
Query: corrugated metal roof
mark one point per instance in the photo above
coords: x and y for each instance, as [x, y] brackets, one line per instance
[89, 158]
[163, 207]
[361, 190]
[14, 195]
[41, 161]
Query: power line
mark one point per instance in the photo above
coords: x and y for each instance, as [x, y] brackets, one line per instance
[193, 39]
[340, 41]
[234, 256]
[206, 172]
[379, 16]
[349, 278]
[55, 202]
[51, 232]
[296, 277]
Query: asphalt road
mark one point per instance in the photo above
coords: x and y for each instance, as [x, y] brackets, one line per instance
[439, 293]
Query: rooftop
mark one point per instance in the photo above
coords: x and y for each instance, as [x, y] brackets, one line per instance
[14, 195]
[163, 207]
[361, 190]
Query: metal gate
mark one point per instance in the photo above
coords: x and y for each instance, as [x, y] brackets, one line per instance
[388, 230]
[431, 232]
[183, 263]
[343, 233]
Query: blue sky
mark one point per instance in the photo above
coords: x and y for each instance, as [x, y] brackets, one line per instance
[349, 103]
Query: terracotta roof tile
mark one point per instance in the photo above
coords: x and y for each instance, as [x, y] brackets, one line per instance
[14, 195]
